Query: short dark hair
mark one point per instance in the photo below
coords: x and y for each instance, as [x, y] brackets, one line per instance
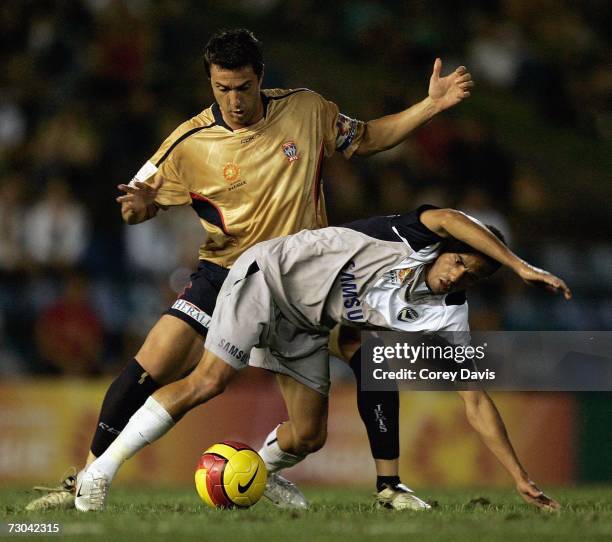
[454, 245]
[234, 49]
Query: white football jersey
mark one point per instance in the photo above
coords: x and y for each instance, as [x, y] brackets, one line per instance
[369, 273]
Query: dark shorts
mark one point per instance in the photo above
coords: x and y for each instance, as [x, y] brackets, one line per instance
[197, 302]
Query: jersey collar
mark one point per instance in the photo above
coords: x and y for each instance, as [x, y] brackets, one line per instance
[216, 111]
[265, 100]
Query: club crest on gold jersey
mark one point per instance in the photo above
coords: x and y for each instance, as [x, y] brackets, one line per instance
[290, 150]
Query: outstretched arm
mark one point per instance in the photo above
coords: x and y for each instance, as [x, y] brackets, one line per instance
[444, 92]
[486, 420]
[452, 223]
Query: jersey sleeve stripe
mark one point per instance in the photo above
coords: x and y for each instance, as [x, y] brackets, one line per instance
[317, 180]
[290, 93]
[182, 138]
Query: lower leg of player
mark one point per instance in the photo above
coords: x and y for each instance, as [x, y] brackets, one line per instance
[379, 411]
[166, 406]
[124, 397]
[306, 430]
[279, 490]
[171, 348]
[277, 457]
[290, 442]
[148, 424]
[153, 420]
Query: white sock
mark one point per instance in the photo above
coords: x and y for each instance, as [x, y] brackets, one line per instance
[148, 423]
[274, 457]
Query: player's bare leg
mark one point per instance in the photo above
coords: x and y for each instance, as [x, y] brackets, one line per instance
[387, 467]
[171, 349]
[207, 380]
[153, 420]
[305, 432]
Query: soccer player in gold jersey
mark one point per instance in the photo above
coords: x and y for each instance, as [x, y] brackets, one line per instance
[250, 166]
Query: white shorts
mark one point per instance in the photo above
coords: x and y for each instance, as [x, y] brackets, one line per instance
[248, 328]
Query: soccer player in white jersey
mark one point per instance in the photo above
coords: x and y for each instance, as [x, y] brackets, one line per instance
[250, 166]
[282, 298]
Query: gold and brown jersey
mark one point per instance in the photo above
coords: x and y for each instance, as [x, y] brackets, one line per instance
[255, 183]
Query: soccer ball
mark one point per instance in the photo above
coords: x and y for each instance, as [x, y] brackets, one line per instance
[230, 475]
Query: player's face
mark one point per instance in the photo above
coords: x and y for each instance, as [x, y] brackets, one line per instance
[238, 94]
[453, 272]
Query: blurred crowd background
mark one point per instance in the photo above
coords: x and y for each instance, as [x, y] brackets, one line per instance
[90, 88]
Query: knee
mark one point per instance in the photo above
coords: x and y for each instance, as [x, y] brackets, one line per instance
[310, 439]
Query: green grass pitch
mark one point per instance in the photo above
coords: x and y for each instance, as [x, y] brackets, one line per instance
[174, 515]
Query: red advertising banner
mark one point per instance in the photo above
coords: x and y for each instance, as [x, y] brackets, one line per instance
[46, 426]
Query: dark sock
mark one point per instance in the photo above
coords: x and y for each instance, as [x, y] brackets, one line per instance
[379, 411]
[390, 481]
[126, 395]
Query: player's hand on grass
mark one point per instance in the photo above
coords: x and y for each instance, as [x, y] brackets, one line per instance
[543, 279]
[448, 91]
[139, 195]
[535, 496]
